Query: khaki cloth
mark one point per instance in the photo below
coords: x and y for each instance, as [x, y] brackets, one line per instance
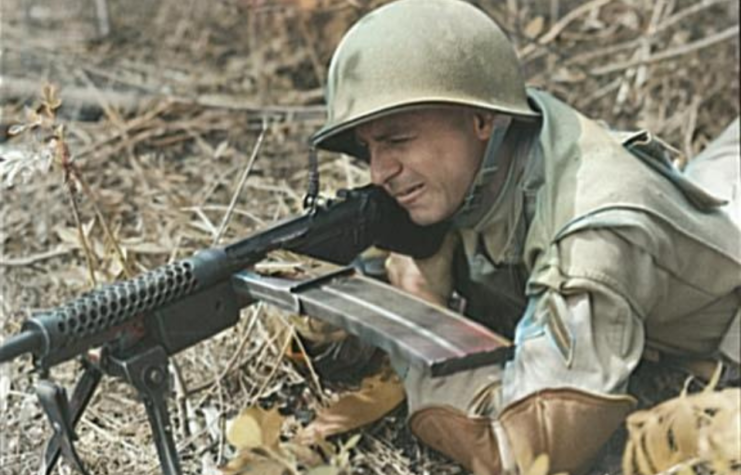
[605, 250]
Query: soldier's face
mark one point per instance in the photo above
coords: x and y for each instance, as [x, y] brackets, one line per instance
[426, 159]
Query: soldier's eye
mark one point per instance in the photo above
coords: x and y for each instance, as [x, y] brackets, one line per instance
[400, 139]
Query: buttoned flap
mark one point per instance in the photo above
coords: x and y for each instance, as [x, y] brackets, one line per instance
[656, 155]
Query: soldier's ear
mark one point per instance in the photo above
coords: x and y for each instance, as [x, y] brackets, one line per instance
[484, 124]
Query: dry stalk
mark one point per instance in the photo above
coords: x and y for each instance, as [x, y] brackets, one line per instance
[691, 10]
[130, 126]
[290, 335]
[563, 23]
[217, 381]
[110, 112]
[63, 158]
[240, 186]
[310, 41]
[725, 35]
[312, 372]
[34, 258]
[104, 223]
[82, 237]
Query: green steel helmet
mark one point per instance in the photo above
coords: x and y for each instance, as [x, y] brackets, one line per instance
[417, 53]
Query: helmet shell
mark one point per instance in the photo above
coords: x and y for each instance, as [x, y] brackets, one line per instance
[419, 53]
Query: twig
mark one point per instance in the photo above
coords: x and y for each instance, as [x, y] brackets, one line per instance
[99, 214]
[216, 382]
[230, 365]
[606, 51]
[128, 127]
[33, 259]
[314, 376]
[240, 347]
[670, 53]
[690, 132]
[561, 25]
[554, 11]
[284, 348]
[676, 18]
[13, 87]
[240, 186]
[81, 233]
[310, 40]
[104, 22]
[111, 113]
[247, 214]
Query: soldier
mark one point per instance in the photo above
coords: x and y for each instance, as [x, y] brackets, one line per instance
[587, 245]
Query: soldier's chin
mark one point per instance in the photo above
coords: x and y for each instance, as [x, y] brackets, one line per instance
[424, 217]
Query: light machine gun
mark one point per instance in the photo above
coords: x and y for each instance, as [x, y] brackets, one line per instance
[140, 322]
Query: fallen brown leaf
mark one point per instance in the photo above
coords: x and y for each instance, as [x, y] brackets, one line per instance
[376, 397]
[255, 427]
[247, 464]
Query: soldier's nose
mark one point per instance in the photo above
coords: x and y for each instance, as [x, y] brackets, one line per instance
[383, 167]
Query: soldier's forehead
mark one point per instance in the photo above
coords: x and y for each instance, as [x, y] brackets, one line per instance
[407, 119]
[387, 124]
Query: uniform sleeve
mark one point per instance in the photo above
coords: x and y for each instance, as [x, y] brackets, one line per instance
[580, 329]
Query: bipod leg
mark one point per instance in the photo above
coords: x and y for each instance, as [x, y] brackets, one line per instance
[54, 400]
[147, 372]
[84, 390]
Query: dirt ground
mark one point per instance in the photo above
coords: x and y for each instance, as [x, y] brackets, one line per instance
[163, 104]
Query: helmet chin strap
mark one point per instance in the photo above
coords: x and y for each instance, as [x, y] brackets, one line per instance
[468, 213]
[312, 187]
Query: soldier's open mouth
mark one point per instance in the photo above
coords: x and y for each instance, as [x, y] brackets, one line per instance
[410, 194]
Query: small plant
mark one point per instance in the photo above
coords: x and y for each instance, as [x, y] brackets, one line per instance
[45, 149]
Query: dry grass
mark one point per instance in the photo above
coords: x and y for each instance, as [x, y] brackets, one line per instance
[163, 115]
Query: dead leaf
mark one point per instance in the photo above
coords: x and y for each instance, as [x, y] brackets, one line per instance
[69, 234]
[247, 463]
[534, 27]
[147, 248]
[325, 470]
[17, 129]
[255, 427]
[700, 427]
[540, 466]
[303, 454]
[376, 397]
[221, 149]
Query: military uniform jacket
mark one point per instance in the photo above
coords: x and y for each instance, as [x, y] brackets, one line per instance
[600, 247]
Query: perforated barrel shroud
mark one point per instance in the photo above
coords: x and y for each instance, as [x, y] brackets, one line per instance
[86, 320]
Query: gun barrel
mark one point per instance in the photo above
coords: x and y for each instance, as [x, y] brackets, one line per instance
[16, 345]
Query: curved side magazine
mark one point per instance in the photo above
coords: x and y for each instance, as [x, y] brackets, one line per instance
[400, 324]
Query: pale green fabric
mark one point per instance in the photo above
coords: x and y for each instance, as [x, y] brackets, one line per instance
[617, 250]
[718, 169]
[693, 286]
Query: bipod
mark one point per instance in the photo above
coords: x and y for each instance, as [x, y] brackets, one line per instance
[146, 370]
